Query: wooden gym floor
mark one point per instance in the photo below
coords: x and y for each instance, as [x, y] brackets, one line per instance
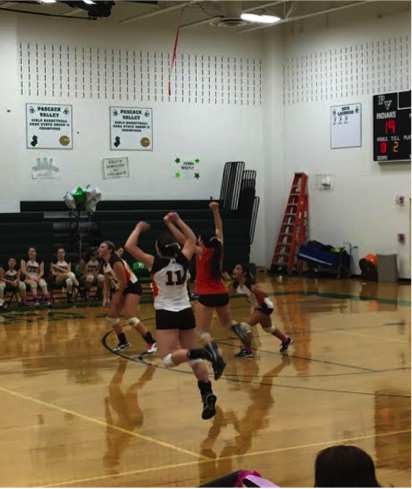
[75, 415]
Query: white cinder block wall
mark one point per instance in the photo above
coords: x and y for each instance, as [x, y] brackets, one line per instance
[257, 107]
[214, 113]
[347, 57]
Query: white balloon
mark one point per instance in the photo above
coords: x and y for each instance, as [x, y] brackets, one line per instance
[69, 201]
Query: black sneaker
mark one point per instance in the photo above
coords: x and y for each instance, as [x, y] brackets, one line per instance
[209, 401]
[285, 346]
[121, 347]
[244, 354]
[215, 358]
[242, 331]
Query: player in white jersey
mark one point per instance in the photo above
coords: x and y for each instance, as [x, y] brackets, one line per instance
[33, 271]
[62, 271]
[119, 276]
[175, 321]
[10, 279]
[245, 285]
[90, 271]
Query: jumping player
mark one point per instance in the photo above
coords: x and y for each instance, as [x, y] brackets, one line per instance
[246, 286]
[118, 275]
[33, 271]
[62, 270]
[175, 320]
[213, 295]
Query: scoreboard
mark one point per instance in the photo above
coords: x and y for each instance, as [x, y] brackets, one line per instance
[392, 127]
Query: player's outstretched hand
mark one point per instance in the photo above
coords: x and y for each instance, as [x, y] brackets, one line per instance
[214, 206]
[172, 217]
[143, 226]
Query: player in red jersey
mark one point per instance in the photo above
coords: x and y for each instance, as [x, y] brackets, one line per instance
[213, 295]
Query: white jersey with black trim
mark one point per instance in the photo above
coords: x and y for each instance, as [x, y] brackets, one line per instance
[92, 266]
[11, 275]
[33, 268]
[256, 300]
[170, 283]
[110, 273]
[61, 264]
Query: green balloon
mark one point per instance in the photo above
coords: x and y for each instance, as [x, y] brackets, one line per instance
[79, 195]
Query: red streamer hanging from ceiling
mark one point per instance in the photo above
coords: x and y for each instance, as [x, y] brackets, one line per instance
[174, 54]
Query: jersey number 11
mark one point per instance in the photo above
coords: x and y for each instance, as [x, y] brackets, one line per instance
[174, 278]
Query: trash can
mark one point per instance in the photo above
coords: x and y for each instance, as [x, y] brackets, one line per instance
[387, 268]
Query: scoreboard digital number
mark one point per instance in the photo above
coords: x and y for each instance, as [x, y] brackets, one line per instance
[392, 127]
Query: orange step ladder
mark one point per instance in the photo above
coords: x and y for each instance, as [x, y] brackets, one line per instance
[293, 229]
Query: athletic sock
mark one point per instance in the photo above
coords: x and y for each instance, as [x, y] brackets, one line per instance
[283, 338]
[149, 338]
[205, 387]
[195, 353]
[122, 338]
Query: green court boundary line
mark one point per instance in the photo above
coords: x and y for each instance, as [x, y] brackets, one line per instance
[144, 300]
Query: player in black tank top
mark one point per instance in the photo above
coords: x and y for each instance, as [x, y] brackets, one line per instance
[126, 298]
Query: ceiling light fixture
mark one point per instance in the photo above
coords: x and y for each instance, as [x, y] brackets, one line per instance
[47, 1]
[261, 19]
[89, 2]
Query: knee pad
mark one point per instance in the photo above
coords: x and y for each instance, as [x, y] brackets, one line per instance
[100, 278]
[22, 286]
[90, 279]
[71, 276]
[132, 322]
[33, 285]
[168, 362]
[69, 282]
[2, 287]
[196, 360]
[42, 283]
[270, 330]
[112, 321]
[204, 334]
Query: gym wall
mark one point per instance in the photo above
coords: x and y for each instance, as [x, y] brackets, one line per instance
[214, 113]
[346, 57]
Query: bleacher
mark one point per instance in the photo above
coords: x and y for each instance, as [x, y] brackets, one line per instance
[49, 225]
[115, 220]
[21, 231]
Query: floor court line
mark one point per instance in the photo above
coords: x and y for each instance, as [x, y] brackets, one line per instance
[107, 425]
[393, 340]
[218, 459]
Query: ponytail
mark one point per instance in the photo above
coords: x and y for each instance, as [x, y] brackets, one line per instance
[213, 242]
[168, 246]
[247, 272]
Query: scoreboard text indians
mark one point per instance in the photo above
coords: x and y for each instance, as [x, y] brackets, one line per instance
[392, 127]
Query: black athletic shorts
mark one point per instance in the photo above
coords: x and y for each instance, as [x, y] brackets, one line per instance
[135, 289]
[214, 300]
[181, 320]
[264, 309]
